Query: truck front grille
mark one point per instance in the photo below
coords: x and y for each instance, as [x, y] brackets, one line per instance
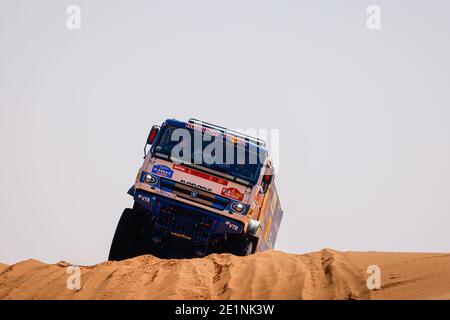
[194, 194]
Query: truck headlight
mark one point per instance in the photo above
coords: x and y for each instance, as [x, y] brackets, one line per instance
[150, 179]
[237, 207]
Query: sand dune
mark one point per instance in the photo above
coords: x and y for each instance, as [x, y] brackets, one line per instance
[3, 267]
[327, 274]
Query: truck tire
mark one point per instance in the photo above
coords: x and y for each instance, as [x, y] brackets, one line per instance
[125, 236]
[240, 245]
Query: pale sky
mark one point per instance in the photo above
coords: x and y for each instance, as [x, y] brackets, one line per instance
[363, 115]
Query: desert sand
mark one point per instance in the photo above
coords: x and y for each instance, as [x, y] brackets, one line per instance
[3, 267]
[327, 274]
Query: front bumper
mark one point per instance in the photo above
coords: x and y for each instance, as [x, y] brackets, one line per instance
[179, 225]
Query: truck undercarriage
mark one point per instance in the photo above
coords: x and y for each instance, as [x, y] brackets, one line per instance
[169, 229]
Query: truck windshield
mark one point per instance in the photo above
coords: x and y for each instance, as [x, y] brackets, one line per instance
[238, 159]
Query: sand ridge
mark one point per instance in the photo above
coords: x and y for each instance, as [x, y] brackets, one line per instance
[3, 267]
[327, 274]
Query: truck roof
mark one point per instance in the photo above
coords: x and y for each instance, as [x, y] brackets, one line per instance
[259, 143]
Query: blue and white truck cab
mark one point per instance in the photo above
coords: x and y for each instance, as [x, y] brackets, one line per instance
[202, 189]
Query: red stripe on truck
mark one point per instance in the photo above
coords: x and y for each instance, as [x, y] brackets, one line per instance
[200, 174]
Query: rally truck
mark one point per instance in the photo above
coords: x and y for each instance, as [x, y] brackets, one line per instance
[185, 208]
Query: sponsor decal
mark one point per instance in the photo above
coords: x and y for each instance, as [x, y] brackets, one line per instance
[162, 171]
[232, 193]
[200, 174]
[143, 198]
[203, 129]
[232, 226]
[167, 194]
[267, 231]
[196, 186]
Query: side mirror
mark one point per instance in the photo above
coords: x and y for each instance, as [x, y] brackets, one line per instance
[266, 181]
[152, 135]
[151, 138]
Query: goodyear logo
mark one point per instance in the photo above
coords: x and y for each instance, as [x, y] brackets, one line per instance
[162, 171]
[180, 235]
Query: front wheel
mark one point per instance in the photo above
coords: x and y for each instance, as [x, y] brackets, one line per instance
[126, 235]
[240, 245]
